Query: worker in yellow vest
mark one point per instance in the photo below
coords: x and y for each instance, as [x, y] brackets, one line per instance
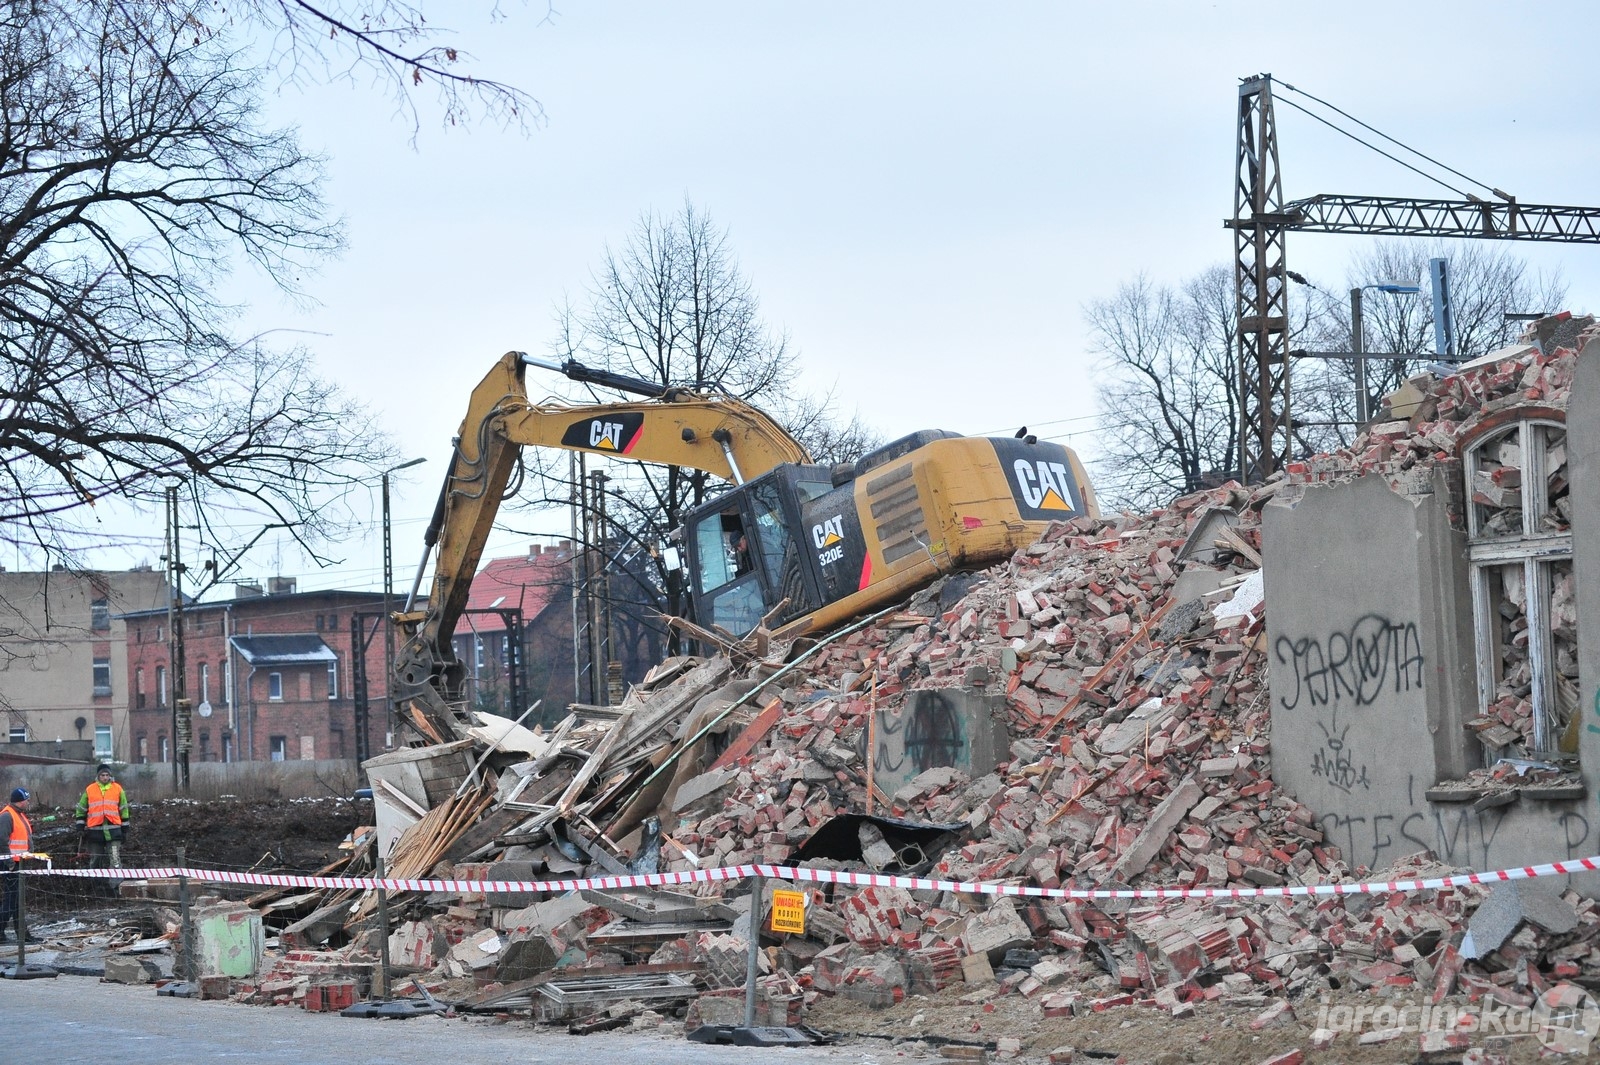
[103, 816]
[17, 831]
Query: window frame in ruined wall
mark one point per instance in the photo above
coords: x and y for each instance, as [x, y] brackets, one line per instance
[1537, 553]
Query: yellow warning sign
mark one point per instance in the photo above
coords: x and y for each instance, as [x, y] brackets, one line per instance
[789, 912]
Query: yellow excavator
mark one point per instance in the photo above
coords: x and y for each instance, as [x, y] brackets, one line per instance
[816, 544]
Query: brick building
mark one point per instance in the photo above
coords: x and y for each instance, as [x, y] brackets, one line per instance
[63, 652]
[271, 676]
[540, 585]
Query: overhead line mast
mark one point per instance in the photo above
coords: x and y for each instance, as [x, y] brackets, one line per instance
[1262, 218]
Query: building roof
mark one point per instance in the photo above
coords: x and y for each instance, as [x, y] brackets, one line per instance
[283, 650]
[292, 600]
[528, 582]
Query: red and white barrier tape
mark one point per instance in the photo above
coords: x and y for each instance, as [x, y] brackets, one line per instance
[831, 876]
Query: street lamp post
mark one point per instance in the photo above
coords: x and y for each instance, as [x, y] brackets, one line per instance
[1358, 345]
[388, 604]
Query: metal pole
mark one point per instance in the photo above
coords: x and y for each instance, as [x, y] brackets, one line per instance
[1359, 347]
[388, 621]
[186, 923]
[752, 965]
[381, 993]
[22, 918]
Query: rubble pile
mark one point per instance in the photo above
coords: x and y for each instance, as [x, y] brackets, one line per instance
[1125, 657]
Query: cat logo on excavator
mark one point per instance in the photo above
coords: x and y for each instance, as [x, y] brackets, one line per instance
[616, 434]
[828, 535]
[1044, 484]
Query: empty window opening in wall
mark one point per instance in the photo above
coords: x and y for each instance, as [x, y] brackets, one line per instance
[102, 676]
[278, 748]
[1524, 596]
[99, 614]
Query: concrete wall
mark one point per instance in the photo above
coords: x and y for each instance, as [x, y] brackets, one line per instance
[955, 727]
[1369, 626]
[60, 786]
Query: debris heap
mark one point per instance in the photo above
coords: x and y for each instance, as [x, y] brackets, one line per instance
[1125, 657]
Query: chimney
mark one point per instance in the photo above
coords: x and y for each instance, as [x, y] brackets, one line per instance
[535, 550]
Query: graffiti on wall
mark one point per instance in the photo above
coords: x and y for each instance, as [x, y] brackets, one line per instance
[1335, 762]
[928, 732]
[1455, 834]
[1373, 657]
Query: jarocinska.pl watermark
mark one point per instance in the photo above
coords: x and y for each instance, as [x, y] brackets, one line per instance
[1564, 1018]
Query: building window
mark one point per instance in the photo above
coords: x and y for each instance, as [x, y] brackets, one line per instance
[160, 630]
[1524, 600]
[227, 746]
[102, 676]
[333, 680]
[477, 656]
[19, 734]
[102, 743]
[205, 682]
[143, 745]
[138, 688]
[99, 614]
[161, 685]
[161, 747]
[278, 748]
[275, 687]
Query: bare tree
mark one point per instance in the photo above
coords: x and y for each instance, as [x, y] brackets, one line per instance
[1486, 280]
[673, 306]
[1167, 397]
[132, 179]
[390, 44]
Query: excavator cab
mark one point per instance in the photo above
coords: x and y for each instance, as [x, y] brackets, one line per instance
[744, 554]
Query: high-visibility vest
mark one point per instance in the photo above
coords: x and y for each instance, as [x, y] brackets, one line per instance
[105, 804]
[21, 832]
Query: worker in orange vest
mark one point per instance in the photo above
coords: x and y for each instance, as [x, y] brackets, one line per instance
[17, 831]
[103, 815]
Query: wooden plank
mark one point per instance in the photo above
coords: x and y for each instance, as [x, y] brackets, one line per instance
[1240, 545]
[574, 790]
[752, 734]
[673, 702]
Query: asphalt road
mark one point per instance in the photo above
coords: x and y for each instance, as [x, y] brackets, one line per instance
[74, 1019]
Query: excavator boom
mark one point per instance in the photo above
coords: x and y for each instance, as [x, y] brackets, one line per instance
[719, 434]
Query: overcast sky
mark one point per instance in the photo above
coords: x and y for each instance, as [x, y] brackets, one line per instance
[924, 194]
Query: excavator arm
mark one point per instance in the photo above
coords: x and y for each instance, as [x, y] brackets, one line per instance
[715, 433]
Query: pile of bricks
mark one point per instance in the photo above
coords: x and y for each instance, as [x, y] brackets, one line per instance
[1139, 755]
